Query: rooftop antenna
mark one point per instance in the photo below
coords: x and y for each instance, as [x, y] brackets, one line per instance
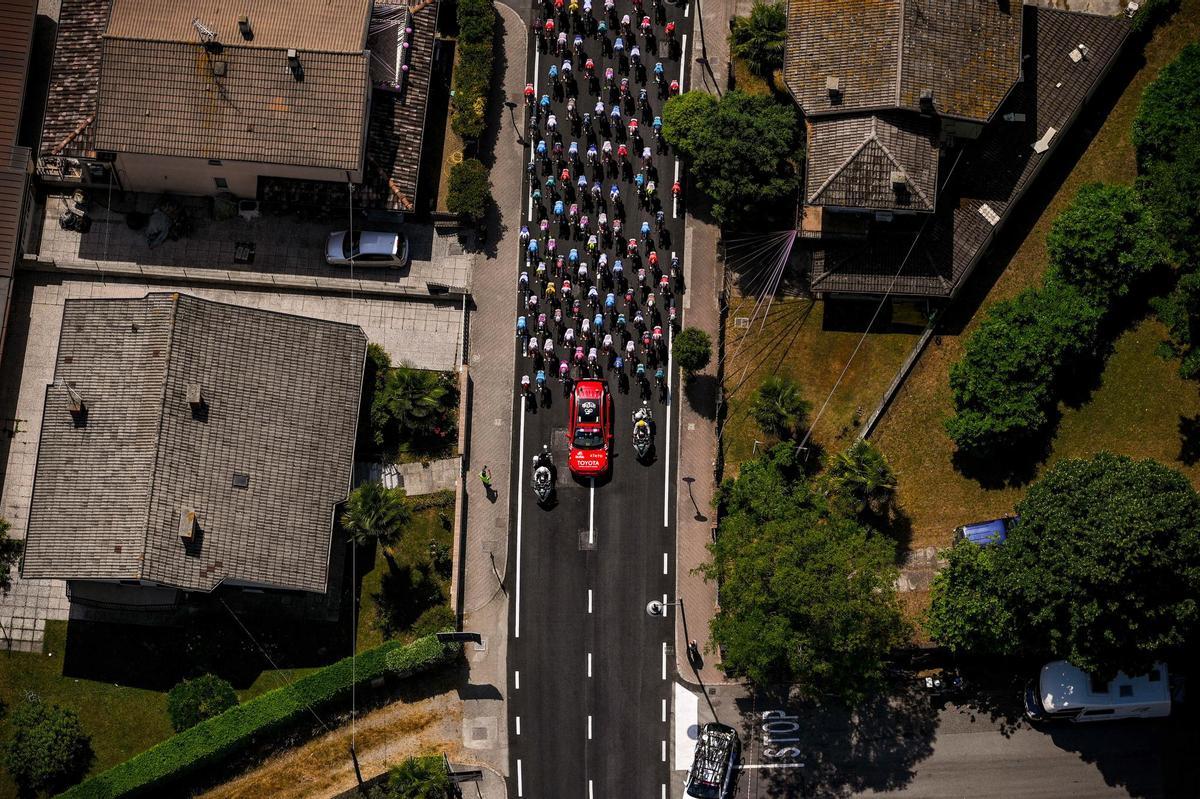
[206, 34]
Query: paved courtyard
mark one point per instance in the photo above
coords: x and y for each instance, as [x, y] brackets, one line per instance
[423, 333]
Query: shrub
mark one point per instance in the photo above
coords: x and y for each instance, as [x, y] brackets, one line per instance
[693, 349]
[473, 75]
[438, 499]
[222, 737]
[778, 408]
[48, 750]
[1167, 111]
[1180, 312]
[10, 553]
[416, 778]
[1172, 189]
[192, 701]
[435, 620]
[470, 190]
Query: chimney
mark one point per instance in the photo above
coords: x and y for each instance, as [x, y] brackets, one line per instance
[833, 87]
[187, 526]
[195, 396]
[926, 101]
[293, 60]
[899, 181]
[244, 28]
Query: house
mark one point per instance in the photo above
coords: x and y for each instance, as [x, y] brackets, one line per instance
[201, 97]
[16, 35]
[188, 444]
[926, 120]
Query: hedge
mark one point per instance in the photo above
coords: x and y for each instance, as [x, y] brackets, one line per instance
[473, 75]
[238, 728]
[438, 499]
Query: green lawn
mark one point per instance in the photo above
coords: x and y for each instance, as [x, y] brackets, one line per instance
[811, 343]
[1138, 407]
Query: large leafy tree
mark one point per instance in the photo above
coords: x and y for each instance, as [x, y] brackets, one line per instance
[778, 408]
[759, 38]
[375, 513]
[807, 593]
[1172, 188]
[739, 149]
[861, 479]
[1103, 570]
[416, 778]
[1180, 312]
[1167, 115]
[48, 750]
[1105, 241]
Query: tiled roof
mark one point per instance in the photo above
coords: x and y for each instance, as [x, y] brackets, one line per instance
[16, 31]
[338, 26]
[395, 133]
[991, 174]
[169, 98]
[851, 161]
[855, 41]
[74, 78]
[885, 52]
[281, 398]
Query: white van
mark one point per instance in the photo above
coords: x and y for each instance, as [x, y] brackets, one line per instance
[1063, 692]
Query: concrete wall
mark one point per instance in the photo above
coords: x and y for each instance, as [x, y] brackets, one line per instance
[196, 176]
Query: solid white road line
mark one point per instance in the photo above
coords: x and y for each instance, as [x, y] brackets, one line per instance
[592, 512]
[773, 765]
[518, 725]
[537, 60]
[667, 471]
[589, 664]
[674, 199]
[589, 600]
[517, 680]
[682, 62]
[520, 508]
[664, 563]
[520, 781]
[664, 661]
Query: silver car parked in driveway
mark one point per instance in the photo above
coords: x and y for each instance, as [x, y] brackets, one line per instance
[367, 248]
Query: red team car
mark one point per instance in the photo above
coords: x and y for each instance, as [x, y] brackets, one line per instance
[590, 433]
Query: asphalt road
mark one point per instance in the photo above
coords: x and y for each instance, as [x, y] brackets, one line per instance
[589, 670]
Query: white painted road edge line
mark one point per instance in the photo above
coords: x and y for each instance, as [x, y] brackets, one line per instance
[682, 62]
[674, 197]
[667, 471]
[520, 781]
[520, 508]
[592, 512]
[537, 60]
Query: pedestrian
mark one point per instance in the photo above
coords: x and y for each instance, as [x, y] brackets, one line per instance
[485, 477]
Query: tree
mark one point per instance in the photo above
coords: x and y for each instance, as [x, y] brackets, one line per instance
[759, 38]
[192, 701]
[777, 407]
[375, 513]
[807, 593]
[470, 189]
[1103, 570]
[739, 148]
[414, 406]
[692, 350]
[1172, 189]
[1166, 114]
[10, 553]
[416, 778]
[861, 479]
[1105, 241]
[48, 750]
[1180, 312]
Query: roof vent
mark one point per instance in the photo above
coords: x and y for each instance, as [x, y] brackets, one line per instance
[1080, 53]
[245, 29]
[241, 480]
[899, 181]
[219, 68]
[75, 401]
[188, 526]
[927, 100]
[195, 396]
[833, 86]
[293, 60]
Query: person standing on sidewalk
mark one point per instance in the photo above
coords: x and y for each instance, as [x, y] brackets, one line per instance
[485, 477]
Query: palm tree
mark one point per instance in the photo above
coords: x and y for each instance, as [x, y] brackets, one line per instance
[414, 404]
[375, 513]
[778, 408]
[418, 778]
[759, 38]
[862, 477]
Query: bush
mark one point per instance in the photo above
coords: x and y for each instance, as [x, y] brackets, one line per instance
[222, 737]
[1104, 242]
[692, 349]
[416, 778]
[1180, 312]
[473, 75]
[192, 701]
[470, 190]
[435, 620]
[48, 750]
[1167, 111]
[438, 499]
[10, 553]
[778, 408]
[1172, 189]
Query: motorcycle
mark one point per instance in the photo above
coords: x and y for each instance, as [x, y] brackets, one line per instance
[643, 434]
[543, 476]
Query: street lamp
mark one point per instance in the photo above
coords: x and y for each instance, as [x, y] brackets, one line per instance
[656, 607]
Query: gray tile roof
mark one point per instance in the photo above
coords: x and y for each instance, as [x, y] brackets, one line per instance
[993, 172]
[851, 161]
[281, 400]
[168, 98]
[67, 125]
[885, 52]
[16, 32]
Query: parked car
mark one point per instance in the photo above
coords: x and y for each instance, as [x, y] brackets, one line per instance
[367, 248]
[984, 533]
[590, 430]
[1062, 692]
[715, 764]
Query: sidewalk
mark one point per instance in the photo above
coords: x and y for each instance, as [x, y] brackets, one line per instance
[703, 275]
[491, 367]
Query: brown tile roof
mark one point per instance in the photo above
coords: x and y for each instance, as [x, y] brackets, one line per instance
[338, 26]
[395, 133]
[851, 161]
[74, 78]
[167, 98]
[885, 52]
[281, 398]
[16, 32]
[980, 190]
